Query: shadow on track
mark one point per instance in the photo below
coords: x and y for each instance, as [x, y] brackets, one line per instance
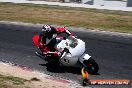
[62, 69]
[54, 66]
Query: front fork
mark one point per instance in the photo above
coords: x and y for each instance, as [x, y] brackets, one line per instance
[83, 58]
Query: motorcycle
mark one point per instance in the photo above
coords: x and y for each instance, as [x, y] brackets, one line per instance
[73, 53]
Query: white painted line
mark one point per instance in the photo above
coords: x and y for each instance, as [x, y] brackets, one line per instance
[70, 5]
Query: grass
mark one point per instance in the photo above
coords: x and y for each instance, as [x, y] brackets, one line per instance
[14, 80]
[10, 81]
[107, 20]
[35, 79]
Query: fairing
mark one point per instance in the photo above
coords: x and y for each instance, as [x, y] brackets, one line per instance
[71, 58]
[35, 40]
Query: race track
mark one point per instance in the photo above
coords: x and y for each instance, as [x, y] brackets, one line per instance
[112, 53]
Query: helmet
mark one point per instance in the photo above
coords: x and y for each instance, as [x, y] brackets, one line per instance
[46, 28]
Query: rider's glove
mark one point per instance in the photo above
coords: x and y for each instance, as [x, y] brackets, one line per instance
[73, 37]
[57, 53]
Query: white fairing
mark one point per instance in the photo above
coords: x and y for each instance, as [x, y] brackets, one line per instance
[79, 49]
[70, 59]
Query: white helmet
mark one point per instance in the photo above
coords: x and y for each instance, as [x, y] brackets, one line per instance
[46, 28]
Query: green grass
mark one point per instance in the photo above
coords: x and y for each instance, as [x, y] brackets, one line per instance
[14, 80]
[35, 79]
[108, 20]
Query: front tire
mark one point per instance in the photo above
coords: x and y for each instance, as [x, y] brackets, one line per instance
[91, 66]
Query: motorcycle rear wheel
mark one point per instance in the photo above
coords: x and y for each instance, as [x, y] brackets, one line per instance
[91, 66]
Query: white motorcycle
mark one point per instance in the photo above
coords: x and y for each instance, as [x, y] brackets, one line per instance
[73, 53]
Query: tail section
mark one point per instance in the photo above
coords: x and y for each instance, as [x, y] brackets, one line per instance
[35, 40]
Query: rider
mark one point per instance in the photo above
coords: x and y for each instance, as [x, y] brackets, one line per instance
[47, 39]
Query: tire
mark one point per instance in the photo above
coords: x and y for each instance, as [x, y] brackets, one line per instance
[91, 66]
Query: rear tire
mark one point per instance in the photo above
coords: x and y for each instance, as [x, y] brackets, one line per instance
[91, 66]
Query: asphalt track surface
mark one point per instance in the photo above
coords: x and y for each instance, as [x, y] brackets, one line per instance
[112, 53]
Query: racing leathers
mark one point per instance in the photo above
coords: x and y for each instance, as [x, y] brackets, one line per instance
[47, 40]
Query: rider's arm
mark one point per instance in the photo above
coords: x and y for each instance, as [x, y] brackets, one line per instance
[63, 30]
[68, 32]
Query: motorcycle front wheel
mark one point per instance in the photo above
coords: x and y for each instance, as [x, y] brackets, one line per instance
[91, 66]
